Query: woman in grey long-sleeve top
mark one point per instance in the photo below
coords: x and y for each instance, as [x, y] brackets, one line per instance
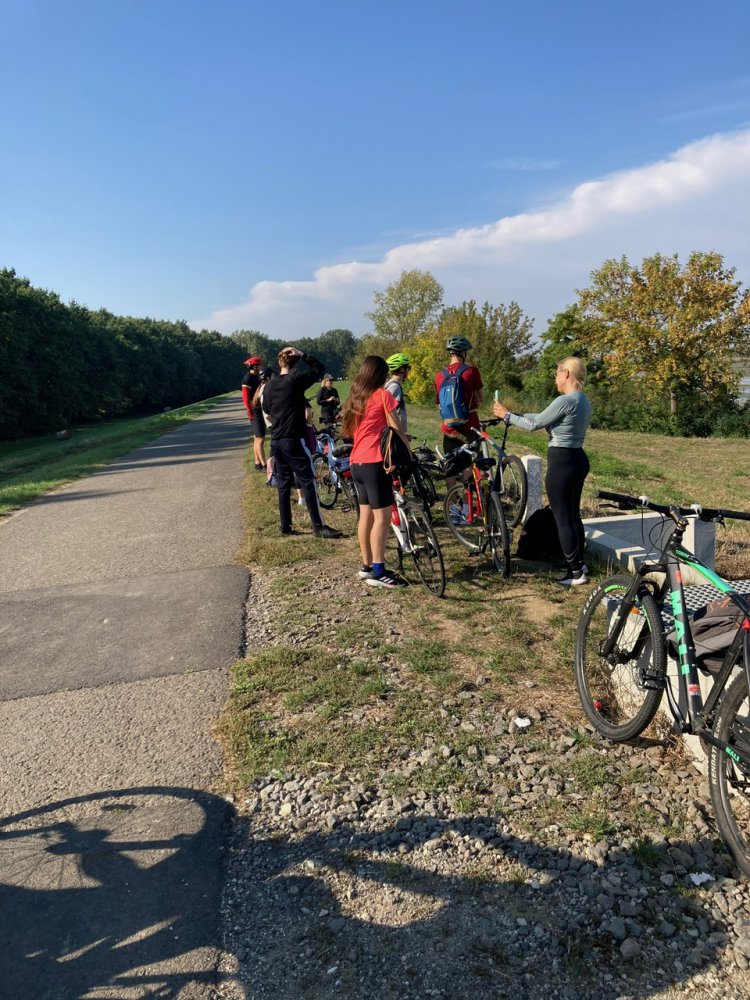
[566, 420]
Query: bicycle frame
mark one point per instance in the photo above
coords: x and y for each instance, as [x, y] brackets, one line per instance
[401, 530]
[336, 473]
[699, 713]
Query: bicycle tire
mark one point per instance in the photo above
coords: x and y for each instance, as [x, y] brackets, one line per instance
[473, 536]
[425, 550]
[620, 699]
[422, 491]
[498, 536]
[729, 781]
[350, 492]
[515, 490]
[327, 489]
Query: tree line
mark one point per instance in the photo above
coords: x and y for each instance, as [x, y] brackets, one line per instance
[665, 344]
[63, 364]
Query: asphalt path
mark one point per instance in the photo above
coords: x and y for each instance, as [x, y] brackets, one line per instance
[120, 610]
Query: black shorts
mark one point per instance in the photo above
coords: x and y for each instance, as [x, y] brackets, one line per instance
[258, 425]
[373, 486]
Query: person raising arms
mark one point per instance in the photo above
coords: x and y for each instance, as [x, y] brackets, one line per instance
[566, 420]
[368, 410]
[285, 403]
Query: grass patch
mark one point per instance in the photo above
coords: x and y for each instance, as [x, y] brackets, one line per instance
[31, 468]
[426, 656]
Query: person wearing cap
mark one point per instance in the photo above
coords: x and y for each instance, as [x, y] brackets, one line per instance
[328, 400]
[284, 399]
[250, 386]
[399, 366]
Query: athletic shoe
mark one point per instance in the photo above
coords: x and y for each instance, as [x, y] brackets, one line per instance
[573, 581]
[259, 466]
[365, 573]
[390, 580]
[289, 531]
[326, 532]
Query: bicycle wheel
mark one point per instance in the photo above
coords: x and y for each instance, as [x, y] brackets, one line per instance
[515, 490]
[423, 490]
[327, 489]
[729, 780]
[425, 550]
[428, 486]
[498, 535]
[465, 524]
[350, 492]
[620, 694]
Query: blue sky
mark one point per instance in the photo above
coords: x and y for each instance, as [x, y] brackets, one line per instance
[203, 161]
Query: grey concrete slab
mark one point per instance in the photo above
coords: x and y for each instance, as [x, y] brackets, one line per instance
[87, 635]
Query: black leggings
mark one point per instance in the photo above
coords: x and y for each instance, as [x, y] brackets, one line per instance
[567, 469]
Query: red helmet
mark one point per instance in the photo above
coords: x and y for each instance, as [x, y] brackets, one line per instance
[253, 361]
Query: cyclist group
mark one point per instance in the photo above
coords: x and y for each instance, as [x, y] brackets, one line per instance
[376, 402]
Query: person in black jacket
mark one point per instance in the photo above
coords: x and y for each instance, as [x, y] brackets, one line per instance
[284, 401]
[328, 400]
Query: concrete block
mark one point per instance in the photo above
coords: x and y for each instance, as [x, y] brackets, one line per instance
[628, 539]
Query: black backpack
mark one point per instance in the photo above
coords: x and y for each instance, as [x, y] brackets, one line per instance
[539, 538]
[396, 457]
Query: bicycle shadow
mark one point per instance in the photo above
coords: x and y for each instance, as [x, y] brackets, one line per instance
[113, 893]
[322, 918]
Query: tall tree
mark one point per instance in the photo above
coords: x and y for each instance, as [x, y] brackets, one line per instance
[676, 330]
[566, 334]
[406, 308]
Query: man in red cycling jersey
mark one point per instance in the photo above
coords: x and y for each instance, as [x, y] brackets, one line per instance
[455, 435]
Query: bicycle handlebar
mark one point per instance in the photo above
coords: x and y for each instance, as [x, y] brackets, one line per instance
[704, 513]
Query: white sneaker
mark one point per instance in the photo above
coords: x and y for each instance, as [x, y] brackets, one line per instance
[573, 581]
[390, 580]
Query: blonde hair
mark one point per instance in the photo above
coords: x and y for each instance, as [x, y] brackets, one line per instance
[576, 369]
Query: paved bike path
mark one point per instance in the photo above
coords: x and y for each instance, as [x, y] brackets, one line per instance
[120, 609]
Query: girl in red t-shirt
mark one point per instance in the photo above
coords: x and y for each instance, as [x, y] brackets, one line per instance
[367, 412]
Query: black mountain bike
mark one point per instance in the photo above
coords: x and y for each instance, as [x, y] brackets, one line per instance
[482, 510]
[621, 661]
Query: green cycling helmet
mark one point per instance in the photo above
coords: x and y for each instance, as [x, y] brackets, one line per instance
[458, 344]
[397, 361]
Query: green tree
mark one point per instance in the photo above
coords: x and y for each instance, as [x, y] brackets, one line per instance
[566, 335]
[406, 308]
[674, 330]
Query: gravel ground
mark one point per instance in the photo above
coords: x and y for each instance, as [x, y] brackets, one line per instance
[337, 887]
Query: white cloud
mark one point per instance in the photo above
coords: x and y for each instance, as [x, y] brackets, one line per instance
[696, 199]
